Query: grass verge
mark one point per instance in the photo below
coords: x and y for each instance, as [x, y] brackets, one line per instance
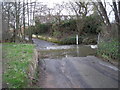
[109, 50]
[16, 59]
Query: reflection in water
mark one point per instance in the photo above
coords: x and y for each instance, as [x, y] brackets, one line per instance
[66, 56]
[77, 47]
[93, 46]
[58, 47]
[67, 51]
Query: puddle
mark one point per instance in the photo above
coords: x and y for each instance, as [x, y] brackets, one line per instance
[67, 51]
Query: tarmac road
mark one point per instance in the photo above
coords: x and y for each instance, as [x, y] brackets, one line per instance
[76, 72]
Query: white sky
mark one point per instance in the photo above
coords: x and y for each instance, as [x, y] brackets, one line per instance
[51, 3]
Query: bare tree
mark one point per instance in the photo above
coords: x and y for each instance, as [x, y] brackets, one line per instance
[23, 20]
[116, 12]
[104, 13]
[110, 30]
[81, 10]
[58, 8]
[6, 6]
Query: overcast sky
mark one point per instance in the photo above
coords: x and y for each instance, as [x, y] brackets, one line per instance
[51, 3]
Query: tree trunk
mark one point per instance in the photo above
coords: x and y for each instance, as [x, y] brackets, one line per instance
[104, 13]
[16, 21]
[30, 31]
[119, 23]
[117, 14]
[28, 13]
[23, 20]
[108, 31]
[14, 34]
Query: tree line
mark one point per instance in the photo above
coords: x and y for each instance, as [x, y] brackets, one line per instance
[18, 16]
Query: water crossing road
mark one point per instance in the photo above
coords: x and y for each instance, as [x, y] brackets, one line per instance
[73, 71]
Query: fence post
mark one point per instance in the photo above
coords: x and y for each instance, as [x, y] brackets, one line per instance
[77, 39]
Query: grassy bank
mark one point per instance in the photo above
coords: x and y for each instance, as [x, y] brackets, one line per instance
[68, 40]
[16, 59]
[47, 38]
[109, 50]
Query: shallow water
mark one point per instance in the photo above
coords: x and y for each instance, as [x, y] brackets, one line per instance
[74, 66]
[67, 51]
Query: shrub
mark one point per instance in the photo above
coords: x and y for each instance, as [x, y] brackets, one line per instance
[109, 49]
[69, 25]
[92, 24]
[41, 28]
[70, 40]
[56, 34]
[30, 30]
[89, 41]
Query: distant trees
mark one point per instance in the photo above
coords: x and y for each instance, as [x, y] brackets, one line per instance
[1, 21]
[18, 16]
[6, 20]
[81, 14]
[15, 15]
[24, 8]
[108, 41]
[116, 9]
[101, 8]
[81, 10]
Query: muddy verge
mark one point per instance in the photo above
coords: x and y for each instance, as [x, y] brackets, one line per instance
[32, 68]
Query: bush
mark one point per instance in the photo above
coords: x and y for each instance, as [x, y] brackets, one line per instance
[41, 28]
[30, 30]
[56, 34]
[70, 40]
[89, 41]
[92, 24]
[109, 49]
[69, 25]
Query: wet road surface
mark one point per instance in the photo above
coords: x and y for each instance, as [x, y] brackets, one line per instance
[77, 71]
